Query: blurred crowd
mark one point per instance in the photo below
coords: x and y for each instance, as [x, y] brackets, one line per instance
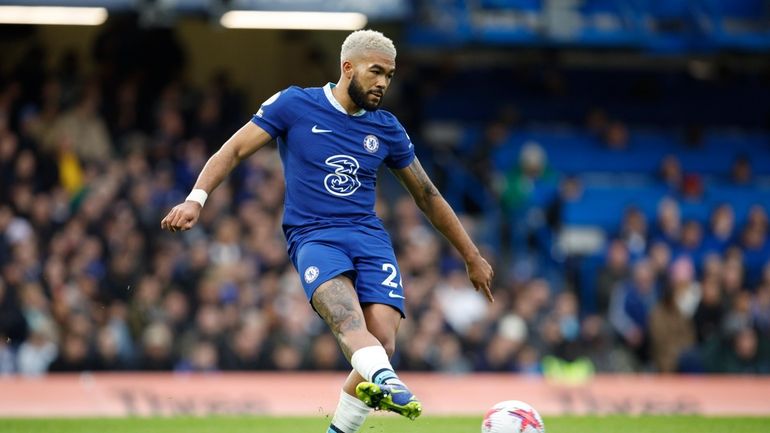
[90, 163]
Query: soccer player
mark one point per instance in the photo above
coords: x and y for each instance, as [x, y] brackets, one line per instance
[332, 140]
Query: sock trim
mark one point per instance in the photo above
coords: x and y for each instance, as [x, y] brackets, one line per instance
[333, 429]
[380, 376]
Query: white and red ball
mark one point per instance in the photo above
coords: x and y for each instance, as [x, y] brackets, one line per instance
[512, 416]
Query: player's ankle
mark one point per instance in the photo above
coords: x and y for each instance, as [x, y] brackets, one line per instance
[372, 364]
[393, 381]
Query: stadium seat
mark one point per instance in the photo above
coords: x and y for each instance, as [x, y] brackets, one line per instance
[740, 24]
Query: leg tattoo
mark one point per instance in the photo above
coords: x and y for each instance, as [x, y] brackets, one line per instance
[340, 310]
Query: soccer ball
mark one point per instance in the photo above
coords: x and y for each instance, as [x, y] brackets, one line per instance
[512, 416]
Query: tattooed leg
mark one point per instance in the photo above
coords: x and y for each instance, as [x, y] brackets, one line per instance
[337, 303]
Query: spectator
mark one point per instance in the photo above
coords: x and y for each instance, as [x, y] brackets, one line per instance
[744, 353]
[245, 347]
[616, 136]
[614, 272]
[596, 344]
[633, 232]
[686, 290]
[670, 173]
[760, 308]
[722, 229]
[671, 333]
[739, 315]
[449, 356]
[630, 306]
[529, 188]
[38, 351]
[756, 247]
[498, 355]
[325, 355]
[741, 172]
[108, 356]
[202, 357]
[13, 326]
[660, 260]
[708, 317]
[460, 303]
[84, 128]
[73, 356]
[732, 277]
[156, 348]
[691, 242]
[669, 222]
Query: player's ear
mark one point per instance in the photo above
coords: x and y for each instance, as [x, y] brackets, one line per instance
[347, 69]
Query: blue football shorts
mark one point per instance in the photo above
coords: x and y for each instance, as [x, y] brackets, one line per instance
[364, 256]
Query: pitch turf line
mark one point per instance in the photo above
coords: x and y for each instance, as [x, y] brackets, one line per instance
[383, 424]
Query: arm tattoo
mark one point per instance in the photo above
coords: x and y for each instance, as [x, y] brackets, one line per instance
[336, 304]
[425, 190]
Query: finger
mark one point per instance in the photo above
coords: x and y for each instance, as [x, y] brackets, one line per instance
[178, 221]
[488, 293]
[164, 222]
[170, 217]
[188, 224]
[484, 288]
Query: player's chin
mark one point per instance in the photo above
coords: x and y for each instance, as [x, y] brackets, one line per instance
[373, 103]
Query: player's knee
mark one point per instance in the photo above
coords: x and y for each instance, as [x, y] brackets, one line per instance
[388, 343]
[390, 347]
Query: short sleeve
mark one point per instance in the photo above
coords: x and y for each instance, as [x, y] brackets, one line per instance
[275, 115]
[401, 149]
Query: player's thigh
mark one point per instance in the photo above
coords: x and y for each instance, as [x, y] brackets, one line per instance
[337, 304]
[383, 321]
[379, 278]
[318, 263]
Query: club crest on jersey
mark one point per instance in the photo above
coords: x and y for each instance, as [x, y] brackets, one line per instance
[371, 143]
[311, 273]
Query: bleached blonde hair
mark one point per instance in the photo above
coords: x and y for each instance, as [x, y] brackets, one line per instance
[366, 40]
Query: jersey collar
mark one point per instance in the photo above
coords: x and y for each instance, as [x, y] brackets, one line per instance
[335, 103]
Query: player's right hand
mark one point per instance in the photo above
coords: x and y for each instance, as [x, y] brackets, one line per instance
[182, 217]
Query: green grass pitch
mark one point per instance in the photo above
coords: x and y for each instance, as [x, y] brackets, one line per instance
[384, 424]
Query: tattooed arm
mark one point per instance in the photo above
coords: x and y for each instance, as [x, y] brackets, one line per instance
[441, 215]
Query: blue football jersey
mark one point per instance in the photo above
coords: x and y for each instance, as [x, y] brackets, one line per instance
[330, 158]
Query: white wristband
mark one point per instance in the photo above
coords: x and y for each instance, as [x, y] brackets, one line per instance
[198, 195]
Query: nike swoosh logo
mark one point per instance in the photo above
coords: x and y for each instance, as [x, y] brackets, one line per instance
[395, 295]
[397, 391]
[315, 130]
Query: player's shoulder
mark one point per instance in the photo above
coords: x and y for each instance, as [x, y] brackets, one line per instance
[299, 93]
[293, 99]
[386, 118]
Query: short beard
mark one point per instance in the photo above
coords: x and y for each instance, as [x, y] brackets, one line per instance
[358, 96]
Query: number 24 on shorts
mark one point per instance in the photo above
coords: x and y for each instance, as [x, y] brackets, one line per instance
[389, 281]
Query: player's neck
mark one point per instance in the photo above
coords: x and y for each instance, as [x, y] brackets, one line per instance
[340, 93]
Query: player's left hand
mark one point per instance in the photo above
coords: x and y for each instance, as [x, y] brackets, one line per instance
[480, 274]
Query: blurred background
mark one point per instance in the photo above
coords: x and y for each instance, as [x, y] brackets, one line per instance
[611, 158]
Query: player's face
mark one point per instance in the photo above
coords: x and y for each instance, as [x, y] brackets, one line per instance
[371, 77]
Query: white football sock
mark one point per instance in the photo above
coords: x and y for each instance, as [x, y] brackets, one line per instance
[372, 364]
[349, 416]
